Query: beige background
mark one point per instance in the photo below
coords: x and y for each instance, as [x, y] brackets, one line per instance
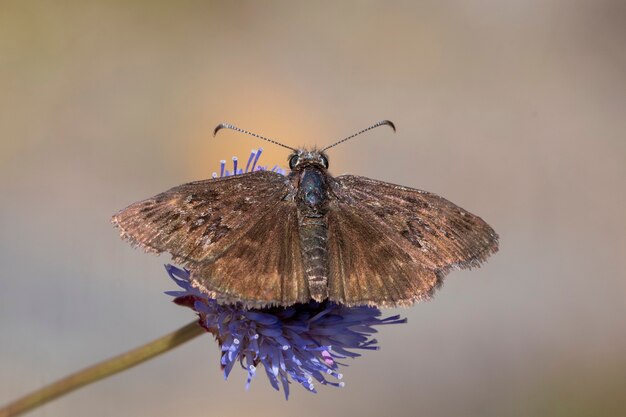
[512, 109]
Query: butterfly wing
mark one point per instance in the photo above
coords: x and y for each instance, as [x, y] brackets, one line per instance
[263, 268]
[368, 265]
[200, 220]
[233, 233]
[386, 238]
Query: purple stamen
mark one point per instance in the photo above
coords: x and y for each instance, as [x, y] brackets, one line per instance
[222, 166]
[256, 159]
[252, 155]
[234, 165]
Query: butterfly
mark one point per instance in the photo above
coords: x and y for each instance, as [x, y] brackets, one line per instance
[262, 238]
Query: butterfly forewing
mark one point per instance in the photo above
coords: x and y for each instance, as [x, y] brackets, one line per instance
[440, 234]
[199, 221]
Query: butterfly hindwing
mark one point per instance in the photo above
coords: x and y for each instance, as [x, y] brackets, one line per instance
[368, 265]
[263, 268]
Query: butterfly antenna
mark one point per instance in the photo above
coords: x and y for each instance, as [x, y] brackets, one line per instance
[229, 126]
[381, 123]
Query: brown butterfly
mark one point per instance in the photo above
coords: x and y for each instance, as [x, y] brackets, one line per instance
[263, 238]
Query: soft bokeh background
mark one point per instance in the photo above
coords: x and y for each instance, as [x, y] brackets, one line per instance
[512, 109]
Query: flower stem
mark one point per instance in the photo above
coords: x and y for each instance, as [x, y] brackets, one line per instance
[102, 370]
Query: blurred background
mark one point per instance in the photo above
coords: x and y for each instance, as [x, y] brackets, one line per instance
[512, 109]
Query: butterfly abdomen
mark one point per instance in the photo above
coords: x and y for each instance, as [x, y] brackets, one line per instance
[312, 202]
[313, 244]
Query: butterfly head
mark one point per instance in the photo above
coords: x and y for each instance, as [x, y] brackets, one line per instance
[303, 158]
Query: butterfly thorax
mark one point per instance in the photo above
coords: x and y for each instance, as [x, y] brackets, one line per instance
[312, 195]
[312, 203]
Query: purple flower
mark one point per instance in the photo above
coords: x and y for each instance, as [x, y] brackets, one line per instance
[301, 343]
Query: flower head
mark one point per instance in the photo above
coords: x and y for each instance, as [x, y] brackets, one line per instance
[301, 343]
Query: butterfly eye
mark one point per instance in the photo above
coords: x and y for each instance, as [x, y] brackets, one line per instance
[293, 161]
[324, 161]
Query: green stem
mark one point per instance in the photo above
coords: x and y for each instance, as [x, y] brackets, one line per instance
[102, 370]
